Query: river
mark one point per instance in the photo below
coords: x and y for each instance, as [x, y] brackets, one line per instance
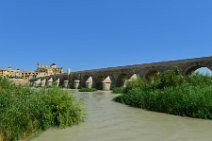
[110, 121]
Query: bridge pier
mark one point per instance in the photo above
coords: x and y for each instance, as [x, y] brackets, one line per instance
[49, 82]
[89, 82]
[43, 82]
[57, 82]
[37, 83]
[134, 77]
[76, 84]
[65, 83]
[31, 83]
[106, 84]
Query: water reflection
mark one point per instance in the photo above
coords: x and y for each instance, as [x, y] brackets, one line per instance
[111, 121]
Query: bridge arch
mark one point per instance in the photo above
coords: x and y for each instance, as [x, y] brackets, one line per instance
[122, 78]
[193, 68]
[98, 81]
[84, 79]
[113, 80]
[74, 77]
[149, 75]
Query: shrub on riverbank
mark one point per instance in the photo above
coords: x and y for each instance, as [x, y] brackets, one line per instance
[172, 93]
[25, 112]
[87, 90]
[118, 90]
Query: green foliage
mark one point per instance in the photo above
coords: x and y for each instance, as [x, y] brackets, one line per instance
[197, 79]
[139, 83]
[160, 81]
[169, 78]
[25, 111]
[87, 90]
[118, 90]
[172, 93]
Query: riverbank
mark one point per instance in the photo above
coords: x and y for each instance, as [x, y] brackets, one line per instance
[25, 112]
[171, 93]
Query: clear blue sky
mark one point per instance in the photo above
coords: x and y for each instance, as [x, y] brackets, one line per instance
[87, 34]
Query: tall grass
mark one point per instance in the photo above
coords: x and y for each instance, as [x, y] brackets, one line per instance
[172, 93]
[25, 112]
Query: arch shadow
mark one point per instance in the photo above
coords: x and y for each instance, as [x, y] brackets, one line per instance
[122, 78]
[98, 81]
[150, 75]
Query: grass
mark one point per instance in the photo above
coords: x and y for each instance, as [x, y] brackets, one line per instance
[87, 90]
[172, 93]
[25, 112]
[118, 90]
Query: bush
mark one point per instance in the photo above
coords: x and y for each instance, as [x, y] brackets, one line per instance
[87, 90]
[24, 111]
[133, 100]
[169, 79]
[160, 81]
[172, 93]
[118, 90]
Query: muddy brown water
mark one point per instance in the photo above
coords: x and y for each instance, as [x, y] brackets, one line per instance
[110, 121]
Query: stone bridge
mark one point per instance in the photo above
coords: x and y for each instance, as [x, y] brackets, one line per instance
[117, 76]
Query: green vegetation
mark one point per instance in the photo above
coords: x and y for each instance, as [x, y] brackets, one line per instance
[118, 90]
[87, 90]
[25, 112]
[172, 93]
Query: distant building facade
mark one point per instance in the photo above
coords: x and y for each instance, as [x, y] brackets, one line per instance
[48, 70]
[40, 71]
[29, 74]
[9, 72]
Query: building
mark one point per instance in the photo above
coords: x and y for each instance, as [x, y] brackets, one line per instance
[48, 70]
[9, 72]
[40, 71]
[29, 74]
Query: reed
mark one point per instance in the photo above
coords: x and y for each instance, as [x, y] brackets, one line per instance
[25, 111]
[172, 93]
